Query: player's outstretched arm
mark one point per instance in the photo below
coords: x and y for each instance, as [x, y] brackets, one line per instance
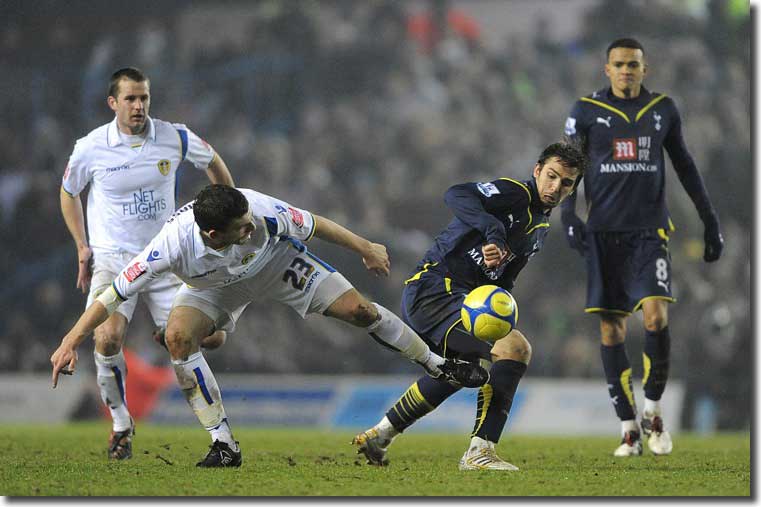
[218, 172]
[73, 215]
[64, 359]
[374, 255]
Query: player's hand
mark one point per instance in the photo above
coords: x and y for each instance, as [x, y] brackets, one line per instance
[84, 276]
[575, 232]
[64, 360]
[714, 243]
[376, 260]
[493, 255]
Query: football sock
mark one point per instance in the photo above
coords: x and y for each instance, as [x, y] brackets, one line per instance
[651, 408]
[223, 433]
[391, 332]
[656, 362]
[496, 398]
[420, 398]
[112, 379]
[629, 425]
[202, 393]
[618, 373]
[386, 429]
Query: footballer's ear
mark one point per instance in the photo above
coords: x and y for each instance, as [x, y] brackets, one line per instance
[537, 170]
[111, 102]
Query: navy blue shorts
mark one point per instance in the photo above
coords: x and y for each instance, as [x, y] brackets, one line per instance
[626, 268]
[431, 305]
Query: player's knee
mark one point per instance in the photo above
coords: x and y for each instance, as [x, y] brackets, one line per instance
[363, 313]
[514, 346]
[656, 321]
[612, 329]
[108, 340]
[178, 342]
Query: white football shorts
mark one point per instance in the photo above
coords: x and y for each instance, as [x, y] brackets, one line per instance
[157, 295]
[294, 277]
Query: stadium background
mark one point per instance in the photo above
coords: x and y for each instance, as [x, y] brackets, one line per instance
[365, 112]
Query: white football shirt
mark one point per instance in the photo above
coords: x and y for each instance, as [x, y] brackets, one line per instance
[179, 247]
[132, 191]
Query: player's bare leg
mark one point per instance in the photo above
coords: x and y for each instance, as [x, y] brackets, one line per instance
[656, 365]
[511, 356]
[111, 370]
[618, 373]
[185, 329]
[211, 342]
[389, 330]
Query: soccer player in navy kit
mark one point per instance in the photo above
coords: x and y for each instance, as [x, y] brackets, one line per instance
[498, 225]
[624, 129]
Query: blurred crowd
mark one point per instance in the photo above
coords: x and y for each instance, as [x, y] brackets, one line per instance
[366, 112]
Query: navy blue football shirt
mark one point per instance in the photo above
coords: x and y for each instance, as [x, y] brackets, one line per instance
[625, 182]
[505, 212]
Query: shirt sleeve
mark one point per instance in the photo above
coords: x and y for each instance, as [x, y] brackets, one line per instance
[199, 152]
[289, 221]
[685, 168]
[476, 205]
[152, 262]
[577, 131]
[575, 125]
[77, 174]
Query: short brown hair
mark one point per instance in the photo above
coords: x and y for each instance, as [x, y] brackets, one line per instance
[131, 73]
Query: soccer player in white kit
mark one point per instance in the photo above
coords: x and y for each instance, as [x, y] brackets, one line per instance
[234, 246]
[131, 166]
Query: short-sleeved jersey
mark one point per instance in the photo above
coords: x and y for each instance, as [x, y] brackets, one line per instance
[179, 247]
[505, 212]
[625, 183]
[132, 192]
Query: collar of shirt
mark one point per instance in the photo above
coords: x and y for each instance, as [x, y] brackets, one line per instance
[644, 96]
[114, 139]
[200, 248]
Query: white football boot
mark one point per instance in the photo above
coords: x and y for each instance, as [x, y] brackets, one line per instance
[482, 456]
[659, 440]
[374, 446]
[631, 445]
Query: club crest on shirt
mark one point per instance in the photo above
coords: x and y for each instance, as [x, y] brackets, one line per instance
[247, 258]
[164, 165]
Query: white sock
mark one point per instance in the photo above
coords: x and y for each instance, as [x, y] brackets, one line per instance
[224, 434]
[202, 393]
[477, 443]
[629, 425]
[652, 408]
[386, 429]
[112, 383]
[396, 334]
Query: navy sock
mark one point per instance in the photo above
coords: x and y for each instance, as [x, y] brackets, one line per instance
[496, 398]
[618, 373]
[420, 398]
[656, 362]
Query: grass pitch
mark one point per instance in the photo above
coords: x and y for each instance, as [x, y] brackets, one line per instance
[71, 460]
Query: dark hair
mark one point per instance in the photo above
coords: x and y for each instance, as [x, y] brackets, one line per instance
[126, 73]
[624, 43]
[569, 152]
[218, 205]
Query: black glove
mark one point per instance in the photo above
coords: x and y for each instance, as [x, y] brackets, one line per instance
[713, 240]
[575, 232]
